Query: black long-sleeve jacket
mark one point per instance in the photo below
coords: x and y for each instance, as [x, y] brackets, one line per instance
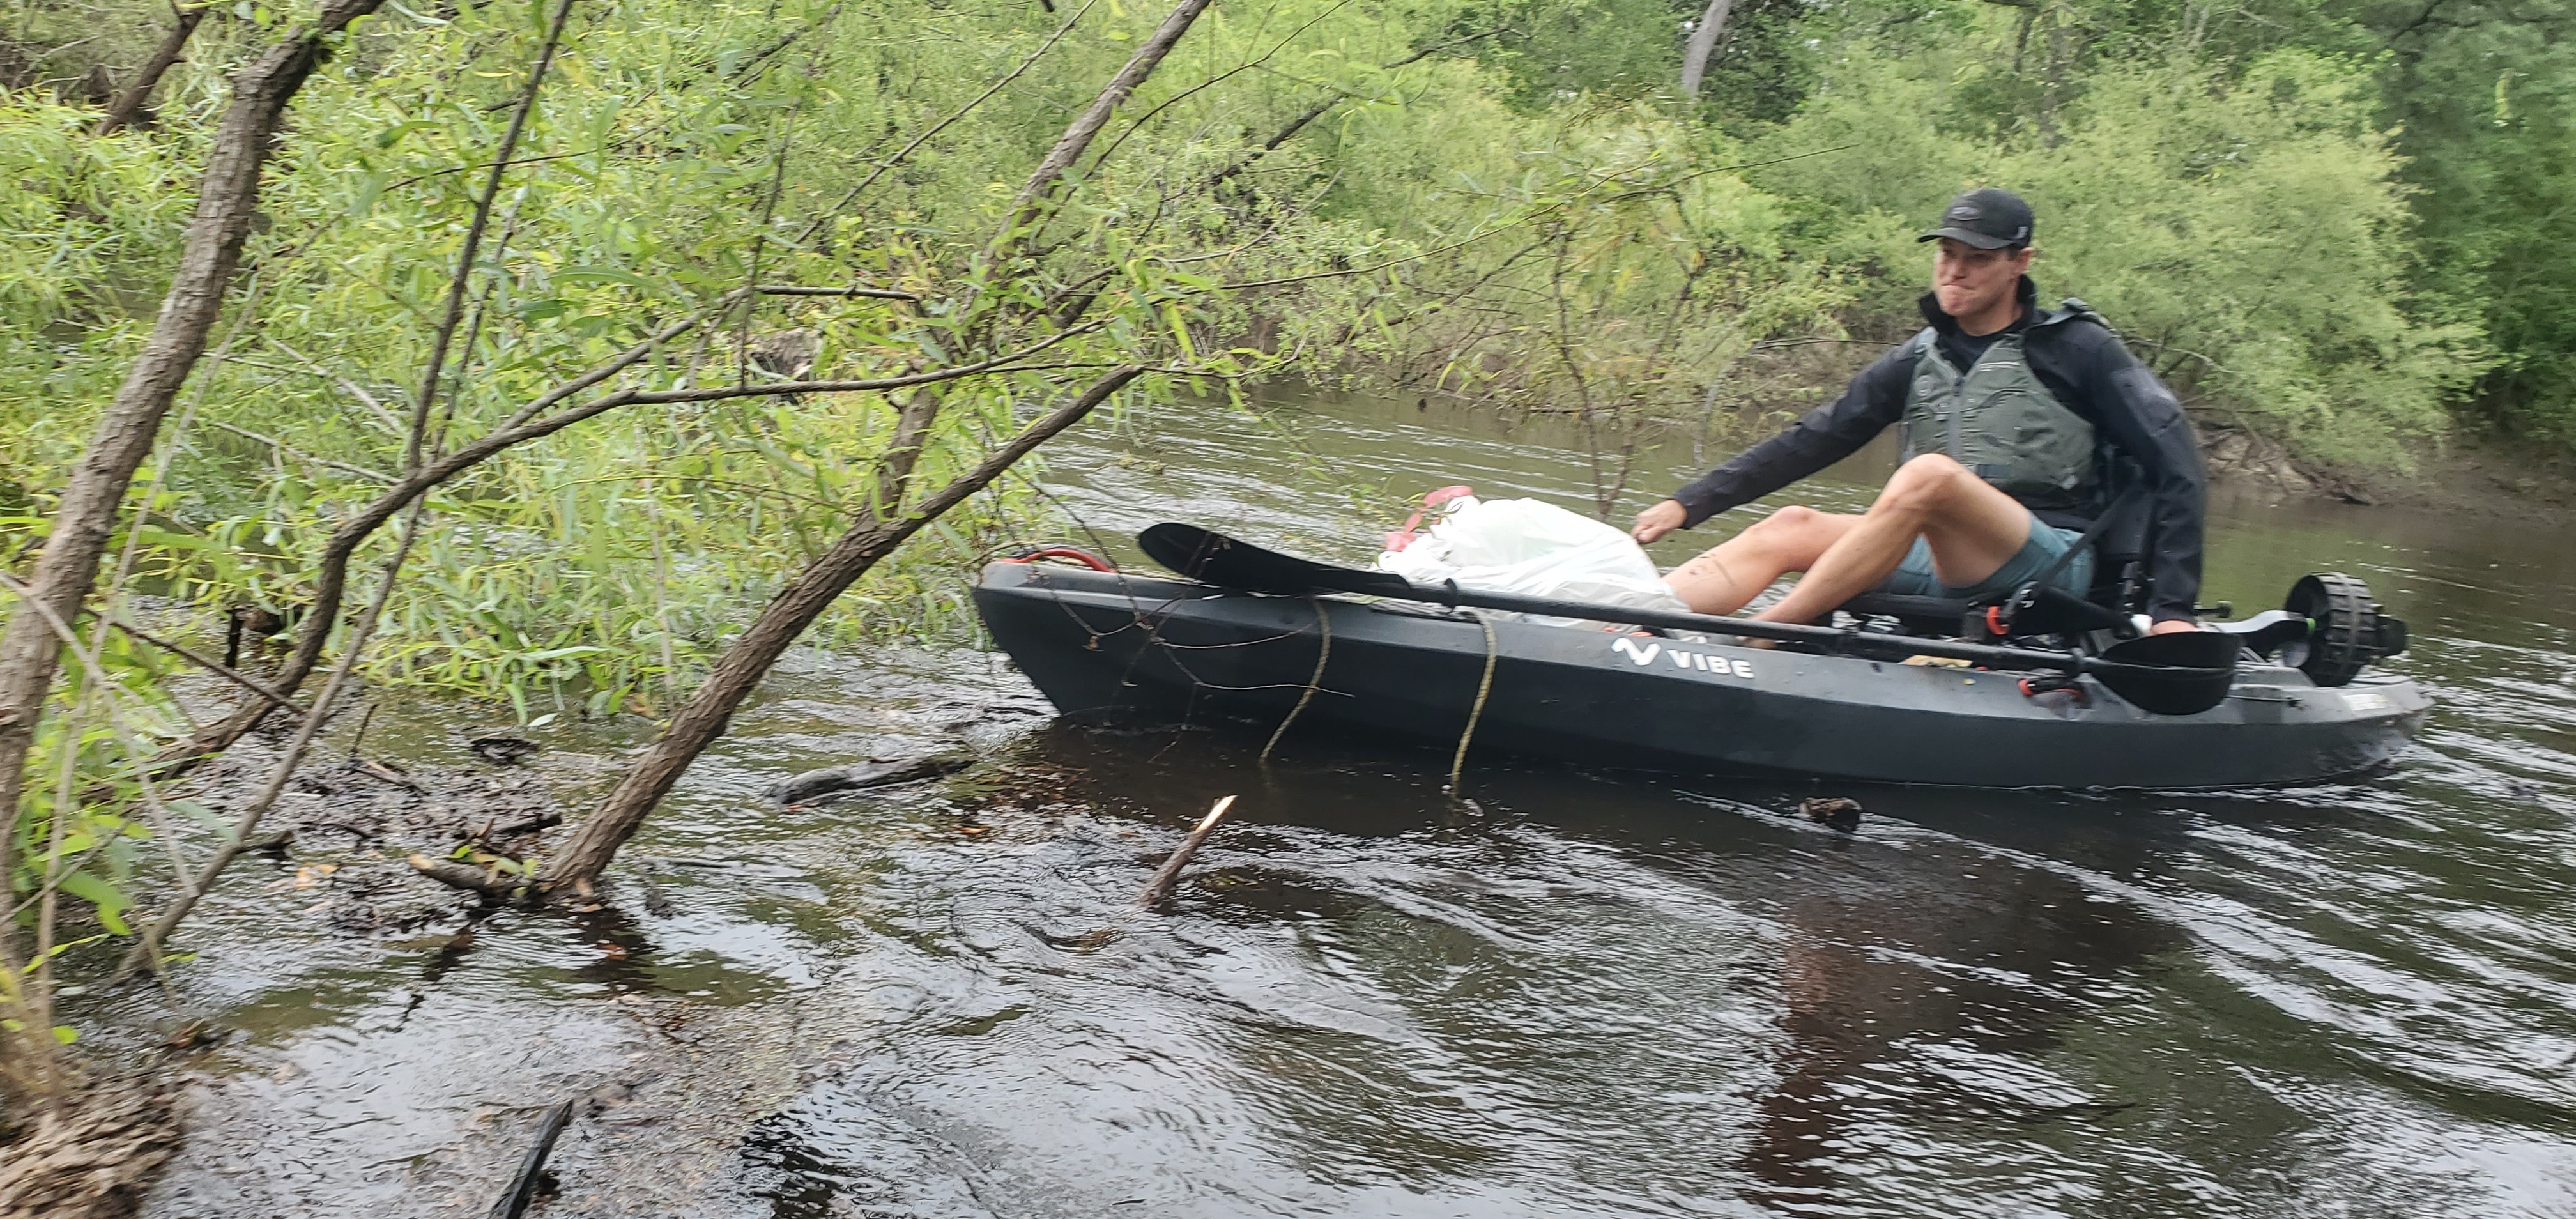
[2086, 367]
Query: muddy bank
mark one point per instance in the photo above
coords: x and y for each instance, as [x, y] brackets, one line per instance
[2474, 476]
[358, 1038]
[97, 1155]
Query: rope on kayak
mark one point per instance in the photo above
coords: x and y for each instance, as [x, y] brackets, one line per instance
[1324, 623]
[1484, 686]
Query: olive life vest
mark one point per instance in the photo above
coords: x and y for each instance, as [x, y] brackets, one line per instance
[2001, 422]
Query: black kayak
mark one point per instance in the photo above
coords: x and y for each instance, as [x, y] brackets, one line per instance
[1109, 645]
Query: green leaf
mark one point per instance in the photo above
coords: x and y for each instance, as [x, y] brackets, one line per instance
[201, 815]
[559, 653]
[102, 896]
[604, 275]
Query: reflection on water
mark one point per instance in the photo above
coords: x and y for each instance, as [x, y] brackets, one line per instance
[1591, 994]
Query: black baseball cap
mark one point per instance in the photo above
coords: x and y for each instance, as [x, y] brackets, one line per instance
[1988, 218]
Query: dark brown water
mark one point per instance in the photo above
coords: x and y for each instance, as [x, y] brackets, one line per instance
[1605, 994]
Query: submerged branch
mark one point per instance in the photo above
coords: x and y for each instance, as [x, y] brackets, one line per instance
[1164, 877]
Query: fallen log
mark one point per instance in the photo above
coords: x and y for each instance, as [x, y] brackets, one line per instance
[831, 782]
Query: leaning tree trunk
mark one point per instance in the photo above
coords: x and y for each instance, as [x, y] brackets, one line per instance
[130, 103]
[1703, 43]
[709, 710]
[30, 652]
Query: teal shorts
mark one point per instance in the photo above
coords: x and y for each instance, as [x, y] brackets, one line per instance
[1914, 577]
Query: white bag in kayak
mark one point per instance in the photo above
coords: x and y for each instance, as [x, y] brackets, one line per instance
[1533, 549]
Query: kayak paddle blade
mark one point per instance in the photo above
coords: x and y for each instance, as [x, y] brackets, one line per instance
[1213, 558]
[2184, 673]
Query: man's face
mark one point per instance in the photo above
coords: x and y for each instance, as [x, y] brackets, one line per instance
[1967, 280]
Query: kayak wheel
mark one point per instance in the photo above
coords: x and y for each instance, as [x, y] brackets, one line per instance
[2343, 627]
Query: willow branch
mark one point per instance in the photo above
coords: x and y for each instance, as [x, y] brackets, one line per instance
[130, 103]
[905, 153]
[457, 283]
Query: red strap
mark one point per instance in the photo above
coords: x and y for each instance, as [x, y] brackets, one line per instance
[1995, 621]
[1084, 557]
[1401, 538]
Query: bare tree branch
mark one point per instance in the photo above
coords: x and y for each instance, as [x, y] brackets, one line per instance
[331, 579]
[283, 447]
[209, 664]
[883, 294]
[905, 153]
[352, 388]
[710, 710]
[130, 103]
[456, 284]
[1703, 41]
[147, 950]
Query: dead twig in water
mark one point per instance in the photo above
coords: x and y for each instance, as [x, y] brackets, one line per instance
[523, 1189]
[487, 881]
[226, 672]
[491, 833]
[1161, 886]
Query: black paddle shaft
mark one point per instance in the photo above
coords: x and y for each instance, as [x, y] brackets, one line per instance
[2151, 683]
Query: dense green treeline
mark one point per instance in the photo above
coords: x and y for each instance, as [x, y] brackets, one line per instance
[2469, 107]
[2329, 226]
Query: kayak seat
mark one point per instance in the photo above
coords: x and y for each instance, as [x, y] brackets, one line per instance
[1916, 614]
[2045, 611]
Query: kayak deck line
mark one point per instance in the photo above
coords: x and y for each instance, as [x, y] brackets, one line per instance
[1137, 648]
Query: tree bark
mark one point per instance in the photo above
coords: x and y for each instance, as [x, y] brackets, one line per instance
[1078, 136]
[1703, 43]
[130, 103]
[1029, 211]
[710, 710]
[30, 651]
[86, 516]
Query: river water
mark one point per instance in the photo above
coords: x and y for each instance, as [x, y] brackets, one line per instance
[1597, 993]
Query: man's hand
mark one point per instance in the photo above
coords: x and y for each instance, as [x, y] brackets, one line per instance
[2173, 626]
[1659, 520]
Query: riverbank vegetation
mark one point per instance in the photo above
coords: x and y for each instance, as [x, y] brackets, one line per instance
[540, 347]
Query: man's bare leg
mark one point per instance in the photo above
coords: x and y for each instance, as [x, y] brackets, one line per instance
[1727, 578]
[1973, 530]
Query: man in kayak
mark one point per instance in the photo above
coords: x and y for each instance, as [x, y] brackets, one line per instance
[2017, 422]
